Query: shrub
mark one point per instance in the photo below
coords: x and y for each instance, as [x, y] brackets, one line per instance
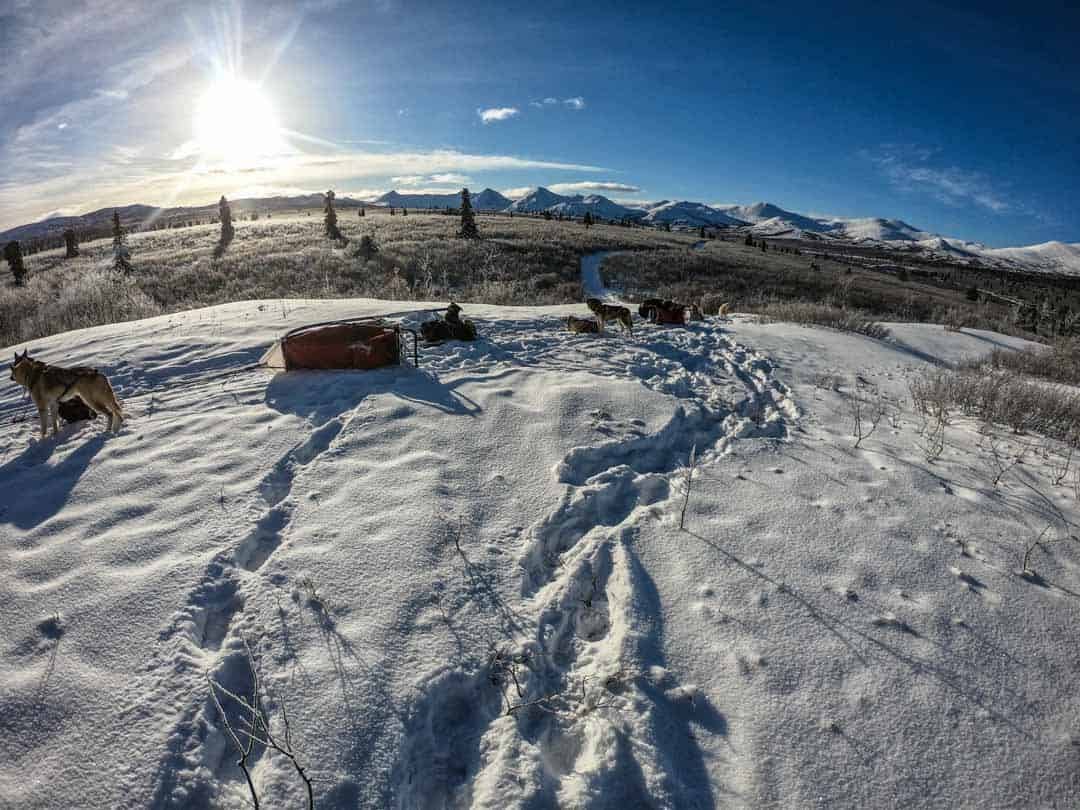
[845, 320]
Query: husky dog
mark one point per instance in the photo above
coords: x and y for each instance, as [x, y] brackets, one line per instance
[723, 311]
[51, 385]
[610, 312]
[582, 325]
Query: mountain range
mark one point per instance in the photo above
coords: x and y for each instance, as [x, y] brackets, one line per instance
[486, 200]
[761, 219]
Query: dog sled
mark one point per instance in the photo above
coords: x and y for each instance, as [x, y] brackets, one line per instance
[354, 343]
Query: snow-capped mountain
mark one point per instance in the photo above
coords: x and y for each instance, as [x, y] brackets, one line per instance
[538, 200]
[595, 204]
[689, 213]
[543, 199]
[486, 200]
[772, 217]
[771, 220]
[1050, 257]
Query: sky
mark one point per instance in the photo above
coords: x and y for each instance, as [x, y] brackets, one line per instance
[958, 118]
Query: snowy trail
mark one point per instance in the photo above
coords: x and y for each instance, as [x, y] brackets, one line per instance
[592, 284]
[583, 662]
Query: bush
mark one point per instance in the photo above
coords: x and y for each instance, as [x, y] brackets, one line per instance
[1000, 397]
[1059, 363]
[845, 320]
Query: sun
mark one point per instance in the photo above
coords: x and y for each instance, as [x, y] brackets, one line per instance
[235, 123]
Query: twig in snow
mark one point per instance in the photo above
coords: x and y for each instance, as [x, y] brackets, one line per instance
[258, 730]
[689, 482]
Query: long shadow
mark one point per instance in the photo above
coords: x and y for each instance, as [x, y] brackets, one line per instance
[984, 338]
[320, 396]
[674, 721]
[919, 354]
[44, 487]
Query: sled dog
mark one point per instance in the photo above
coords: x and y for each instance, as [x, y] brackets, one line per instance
[51, 385]
[582, 325]
[610, 312]
[723, 311]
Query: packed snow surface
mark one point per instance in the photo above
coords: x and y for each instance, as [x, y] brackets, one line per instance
[468, 585]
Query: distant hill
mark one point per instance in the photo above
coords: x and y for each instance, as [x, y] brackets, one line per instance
[543, 199]
[136, 216]
[486, 200]
[688, 213]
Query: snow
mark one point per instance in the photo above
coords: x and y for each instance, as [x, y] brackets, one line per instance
[836, 627]
[1053, 257]
[690, 213]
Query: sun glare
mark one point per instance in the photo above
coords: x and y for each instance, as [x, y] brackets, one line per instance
[235, 123]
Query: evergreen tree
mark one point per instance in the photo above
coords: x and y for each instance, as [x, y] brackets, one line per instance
[227, 230]
[391, 210]
[121, 254]
[71, 243]
[468, 221]
[749, 241]
[587, 220]
[701, 232]
[404, 211]
[367, 249]
[361, 211]
[331, 218]
[13, 256]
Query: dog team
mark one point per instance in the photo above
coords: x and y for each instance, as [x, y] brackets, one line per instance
[55, 389]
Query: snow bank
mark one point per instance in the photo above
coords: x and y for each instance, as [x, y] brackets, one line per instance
[467, 583]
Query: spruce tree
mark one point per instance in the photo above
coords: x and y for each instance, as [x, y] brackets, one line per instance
[701, 232]
[227, 230]
[71, 243]
[468, 221]
[587, 220]
[121, 254]
[361, 211]
[13, 256]
[331, 218]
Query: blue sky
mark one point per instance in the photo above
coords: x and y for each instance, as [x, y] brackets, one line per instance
[962, 119]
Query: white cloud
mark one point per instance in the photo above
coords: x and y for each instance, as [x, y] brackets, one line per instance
[907, 168]
[516, 193]
[120, 179]
[442, 178]
[590, 185]
[497, 114]
[575, 103]
[550, 100]
[452, 179]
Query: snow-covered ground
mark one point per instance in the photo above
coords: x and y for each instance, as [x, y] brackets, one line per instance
[836, 627]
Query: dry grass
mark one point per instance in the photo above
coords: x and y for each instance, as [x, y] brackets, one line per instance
[519, 261]
[1058, 363]
[845, 320]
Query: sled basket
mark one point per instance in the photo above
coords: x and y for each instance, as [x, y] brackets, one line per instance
[356, 343]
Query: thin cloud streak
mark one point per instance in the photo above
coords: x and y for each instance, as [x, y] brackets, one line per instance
[907, 169]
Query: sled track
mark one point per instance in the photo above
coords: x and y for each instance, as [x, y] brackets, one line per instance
[593, 649]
